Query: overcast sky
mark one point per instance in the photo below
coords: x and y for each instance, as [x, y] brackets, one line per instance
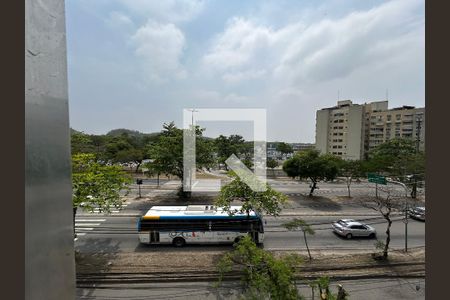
[137, 63]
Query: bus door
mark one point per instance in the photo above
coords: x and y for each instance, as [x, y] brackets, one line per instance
[255, 236]
[154, 236]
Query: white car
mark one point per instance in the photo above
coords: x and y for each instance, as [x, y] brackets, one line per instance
[349, 228]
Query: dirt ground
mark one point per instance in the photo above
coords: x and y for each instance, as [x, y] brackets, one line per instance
[179, 261]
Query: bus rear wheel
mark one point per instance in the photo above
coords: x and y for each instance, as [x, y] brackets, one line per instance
[179, 242]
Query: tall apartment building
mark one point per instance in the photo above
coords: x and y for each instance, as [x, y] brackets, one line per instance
[351, 130]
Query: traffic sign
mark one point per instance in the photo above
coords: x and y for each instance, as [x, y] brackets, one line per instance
[375, 178]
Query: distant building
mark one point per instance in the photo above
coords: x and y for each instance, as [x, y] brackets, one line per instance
[273, 153]
[351, 130]
[302, 146]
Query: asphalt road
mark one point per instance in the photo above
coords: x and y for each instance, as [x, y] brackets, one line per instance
[118, 234]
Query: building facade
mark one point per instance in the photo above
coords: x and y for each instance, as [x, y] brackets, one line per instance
[351, 130]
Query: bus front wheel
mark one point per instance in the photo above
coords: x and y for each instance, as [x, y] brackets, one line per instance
[179, 242]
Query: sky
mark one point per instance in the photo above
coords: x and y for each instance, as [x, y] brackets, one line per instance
[137, 64]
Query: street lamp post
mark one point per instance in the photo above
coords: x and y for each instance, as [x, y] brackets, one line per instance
[192, 110]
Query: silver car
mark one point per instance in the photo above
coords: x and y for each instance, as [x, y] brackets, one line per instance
[417, 213]
[349, 228]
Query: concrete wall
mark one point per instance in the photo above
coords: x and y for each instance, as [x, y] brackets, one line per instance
[49, 252]
[322, 125]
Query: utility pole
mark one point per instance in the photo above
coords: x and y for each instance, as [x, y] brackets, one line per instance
[418, 129]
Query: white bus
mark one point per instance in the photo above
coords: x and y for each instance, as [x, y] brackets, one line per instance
[197, 224]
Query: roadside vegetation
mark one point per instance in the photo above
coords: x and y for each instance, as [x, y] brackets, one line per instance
[99, 179]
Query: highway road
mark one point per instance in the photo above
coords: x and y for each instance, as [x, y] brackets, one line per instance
[118, 234]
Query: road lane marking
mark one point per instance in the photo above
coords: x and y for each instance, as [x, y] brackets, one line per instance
[90, 220]
[87, 224]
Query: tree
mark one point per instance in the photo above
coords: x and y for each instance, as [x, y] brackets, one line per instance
[351, 169]
[154, 168]
[323, 285]
[272, 163]
[284, 148]
[80, 142]
[167, 152]
[385, 203]
[269, 202]
[396, 157]
[95, 184]
[226, 146]
[311, 164]
[400, 159]
[130, 155]
[296, 224]
[264, 276]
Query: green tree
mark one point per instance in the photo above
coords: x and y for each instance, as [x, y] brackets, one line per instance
[311, 164]
[268, 202]
[263, 275]
[323, 285]
[226, 146]
[351, 170]
[400, 159]
[272, 163]
[297, 224]
[395, 157]
[130, 155]
[167, 152]
[284, 148]
[80, 142]
[95, 184]
[154, 168]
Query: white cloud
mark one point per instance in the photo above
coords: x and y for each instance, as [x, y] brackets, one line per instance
[301, 54]
[118, 19]
[213, 97]
[235, 99]
[171, 11]
[160, 46]
[237, 45]
[236, 77]
[120, 23]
